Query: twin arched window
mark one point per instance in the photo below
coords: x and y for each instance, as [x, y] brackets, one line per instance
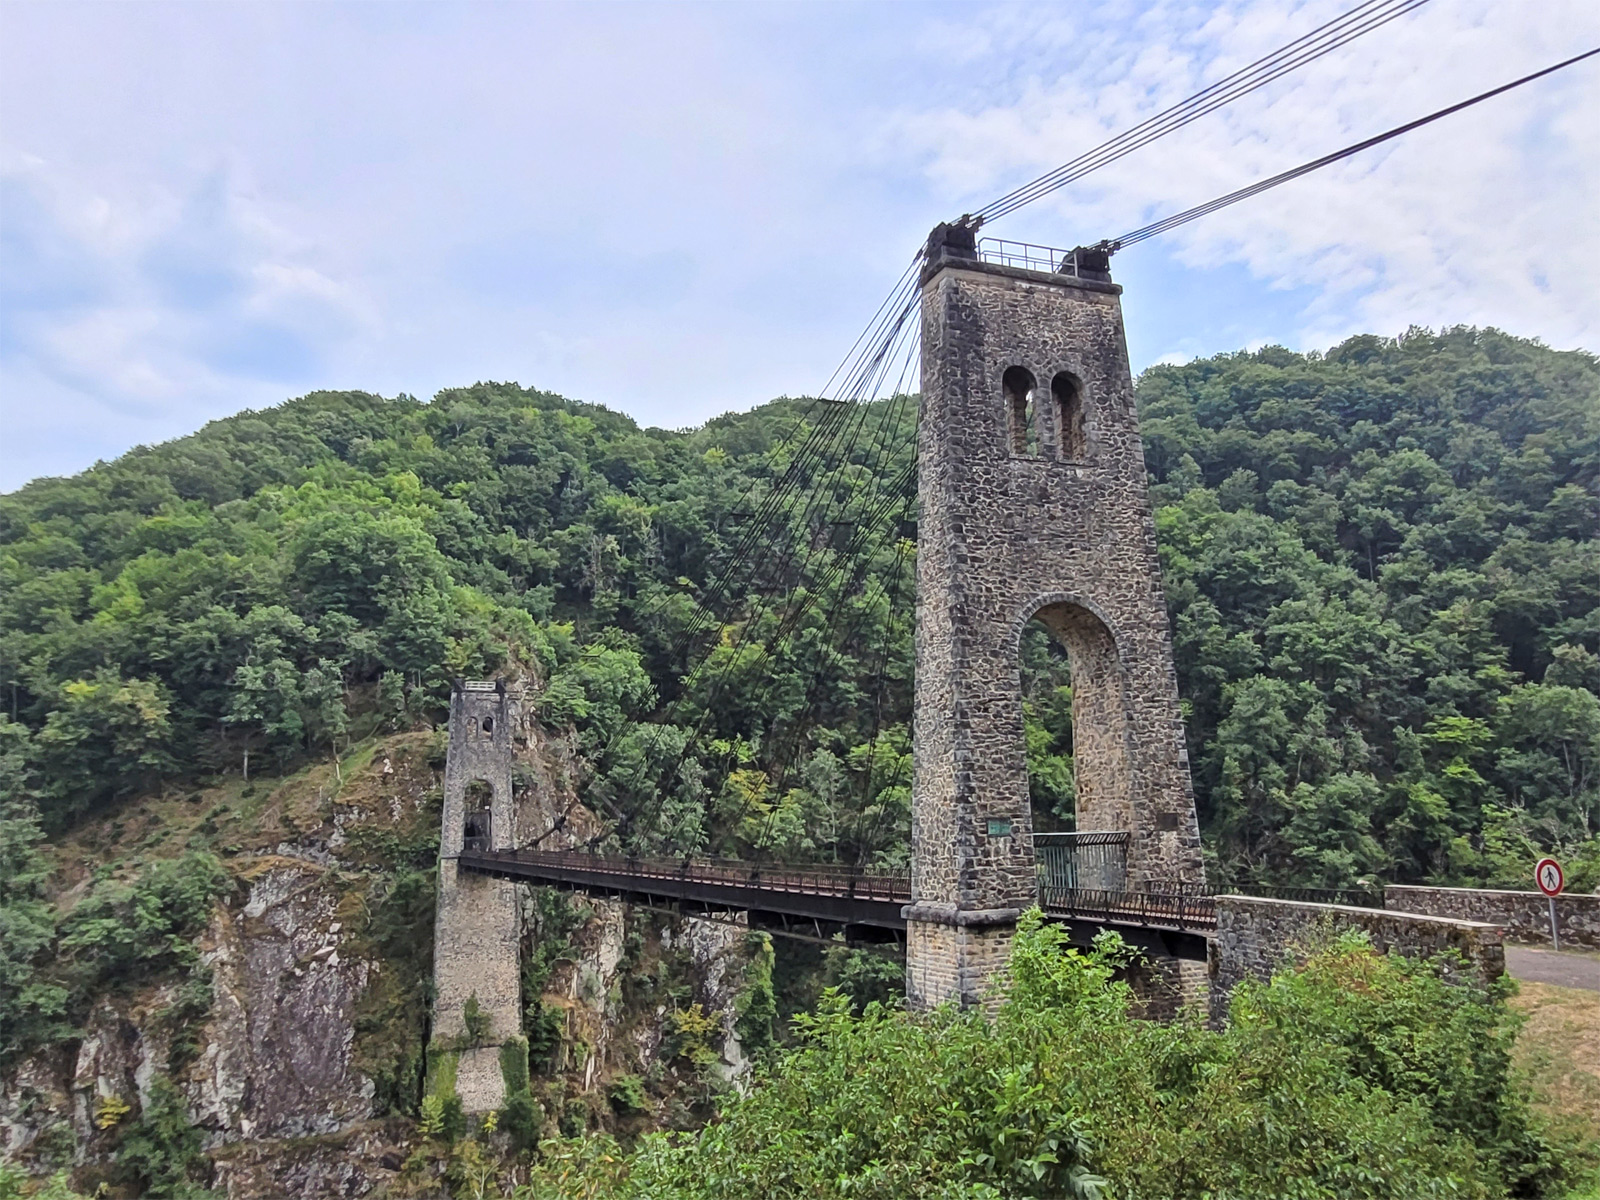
[1072, 437]
[1060, 432]
[1023, 422]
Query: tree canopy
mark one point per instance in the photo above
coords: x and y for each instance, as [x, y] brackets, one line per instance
[1381, 566]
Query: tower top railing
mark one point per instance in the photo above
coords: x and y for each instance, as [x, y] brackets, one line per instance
[480, 686]
[1083, 262]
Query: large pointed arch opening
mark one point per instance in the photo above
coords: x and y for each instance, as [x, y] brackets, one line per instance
[1076, 726]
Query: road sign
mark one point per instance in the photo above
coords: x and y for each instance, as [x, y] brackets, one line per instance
[1548, 875]
[1551, 879]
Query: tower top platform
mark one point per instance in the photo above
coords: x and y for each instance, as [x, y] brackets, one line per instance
[956, 245]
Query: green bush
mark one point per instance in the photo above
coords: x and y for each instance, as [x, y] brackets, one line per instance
[183, 1020]
[126, 935]
[626, 1095]
[1357, 1076]
[756, 1006]
[867, 975]
[13, 1181]
[161, 1149]
[31, 1004]
[544, 1026]
[522, 1119]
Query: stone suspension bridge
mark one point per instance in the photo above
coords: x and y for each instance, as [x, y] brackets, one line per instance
[1033, 505]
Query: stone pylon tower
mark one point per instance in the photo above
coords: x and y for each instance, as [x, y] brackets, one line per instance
[476, 930]
[1033, 504]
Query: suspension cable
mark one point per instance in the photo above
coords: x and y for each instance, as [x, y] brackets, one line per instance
[1365, 17]
[1255, 189]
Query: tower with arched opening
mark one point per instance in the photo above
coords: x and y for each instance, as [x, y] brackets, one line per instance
[1034, 505]
[477, 929]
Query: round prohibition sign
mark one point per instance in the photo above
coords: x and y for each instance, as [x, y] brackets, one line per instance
[1548, 875]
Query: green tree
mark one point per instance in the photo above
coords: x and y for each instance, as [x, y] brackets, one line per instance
[30, 1004]
[106, 738]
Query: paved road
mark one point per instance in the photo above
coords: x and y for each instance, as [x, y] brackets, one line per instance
[1575, 970]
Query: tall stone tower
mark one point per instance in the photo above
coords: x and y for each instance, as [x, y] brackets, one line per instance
[476, 930]
[1033, 504]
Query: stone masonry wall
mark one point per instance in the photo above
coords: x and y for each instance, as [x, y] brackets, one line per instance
[1061, 530]
[1523, 916]
[1255, 936]
[477, 929]
[945, 961]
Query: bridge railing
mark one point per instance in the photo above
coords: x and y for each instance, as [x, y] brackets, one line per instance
[810, 879]
[1185, 908]
[1351, 897]
[1176, 909]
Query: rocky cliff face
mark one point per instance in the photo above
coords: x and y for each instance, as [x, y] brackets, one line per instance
[301, 1067]
[271, 1055]
[275, 1049]
[278, 1045]
[633, 972]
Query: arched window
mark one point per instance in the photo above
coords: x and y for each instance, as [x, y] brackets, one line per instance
[1067, 390]
[488, 724]
[1018, 385]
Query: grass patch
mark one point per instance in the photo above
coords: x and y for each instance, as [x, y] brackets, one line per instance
[1558, 1053]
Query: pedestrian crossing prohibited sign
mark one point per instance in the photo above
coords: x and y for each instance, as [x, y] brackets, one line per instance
[1547, 874]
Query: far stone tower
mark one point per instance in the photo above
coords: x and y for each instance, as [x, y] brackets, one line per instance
[477, 929]
[1033, 504]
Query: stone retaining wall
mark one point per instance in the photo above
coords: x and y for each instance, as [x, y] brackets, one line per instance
[1255, 936]
[1523, 916]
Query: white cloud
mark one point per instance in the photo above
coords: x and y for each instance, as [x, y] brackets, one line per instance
[679, 209]
[1484, 218]
[145, 314]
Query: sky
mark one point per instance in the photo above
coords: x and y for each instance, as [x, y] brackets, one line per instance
[678, 210]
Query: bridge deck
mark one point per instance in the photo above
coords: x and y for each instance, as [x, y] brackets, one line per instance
[866, 905]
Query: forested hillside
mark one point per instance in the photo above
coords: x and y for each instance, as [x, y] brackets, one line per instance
[1383, 572]
[1381, 563]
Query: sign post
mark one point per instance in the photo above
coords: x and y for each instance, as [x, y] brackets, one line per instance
[1551, 879]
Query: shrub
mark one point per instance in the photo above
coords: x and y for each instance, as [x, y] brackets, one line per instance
[522, 1119]
[626, 1095]
[756, 1006]
[520, 1116]
[161, 1150]
[126, 935]
[430, 1122]
[109, 1111]
[691, 1031]
[544, 1027]
[1358, 1076]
